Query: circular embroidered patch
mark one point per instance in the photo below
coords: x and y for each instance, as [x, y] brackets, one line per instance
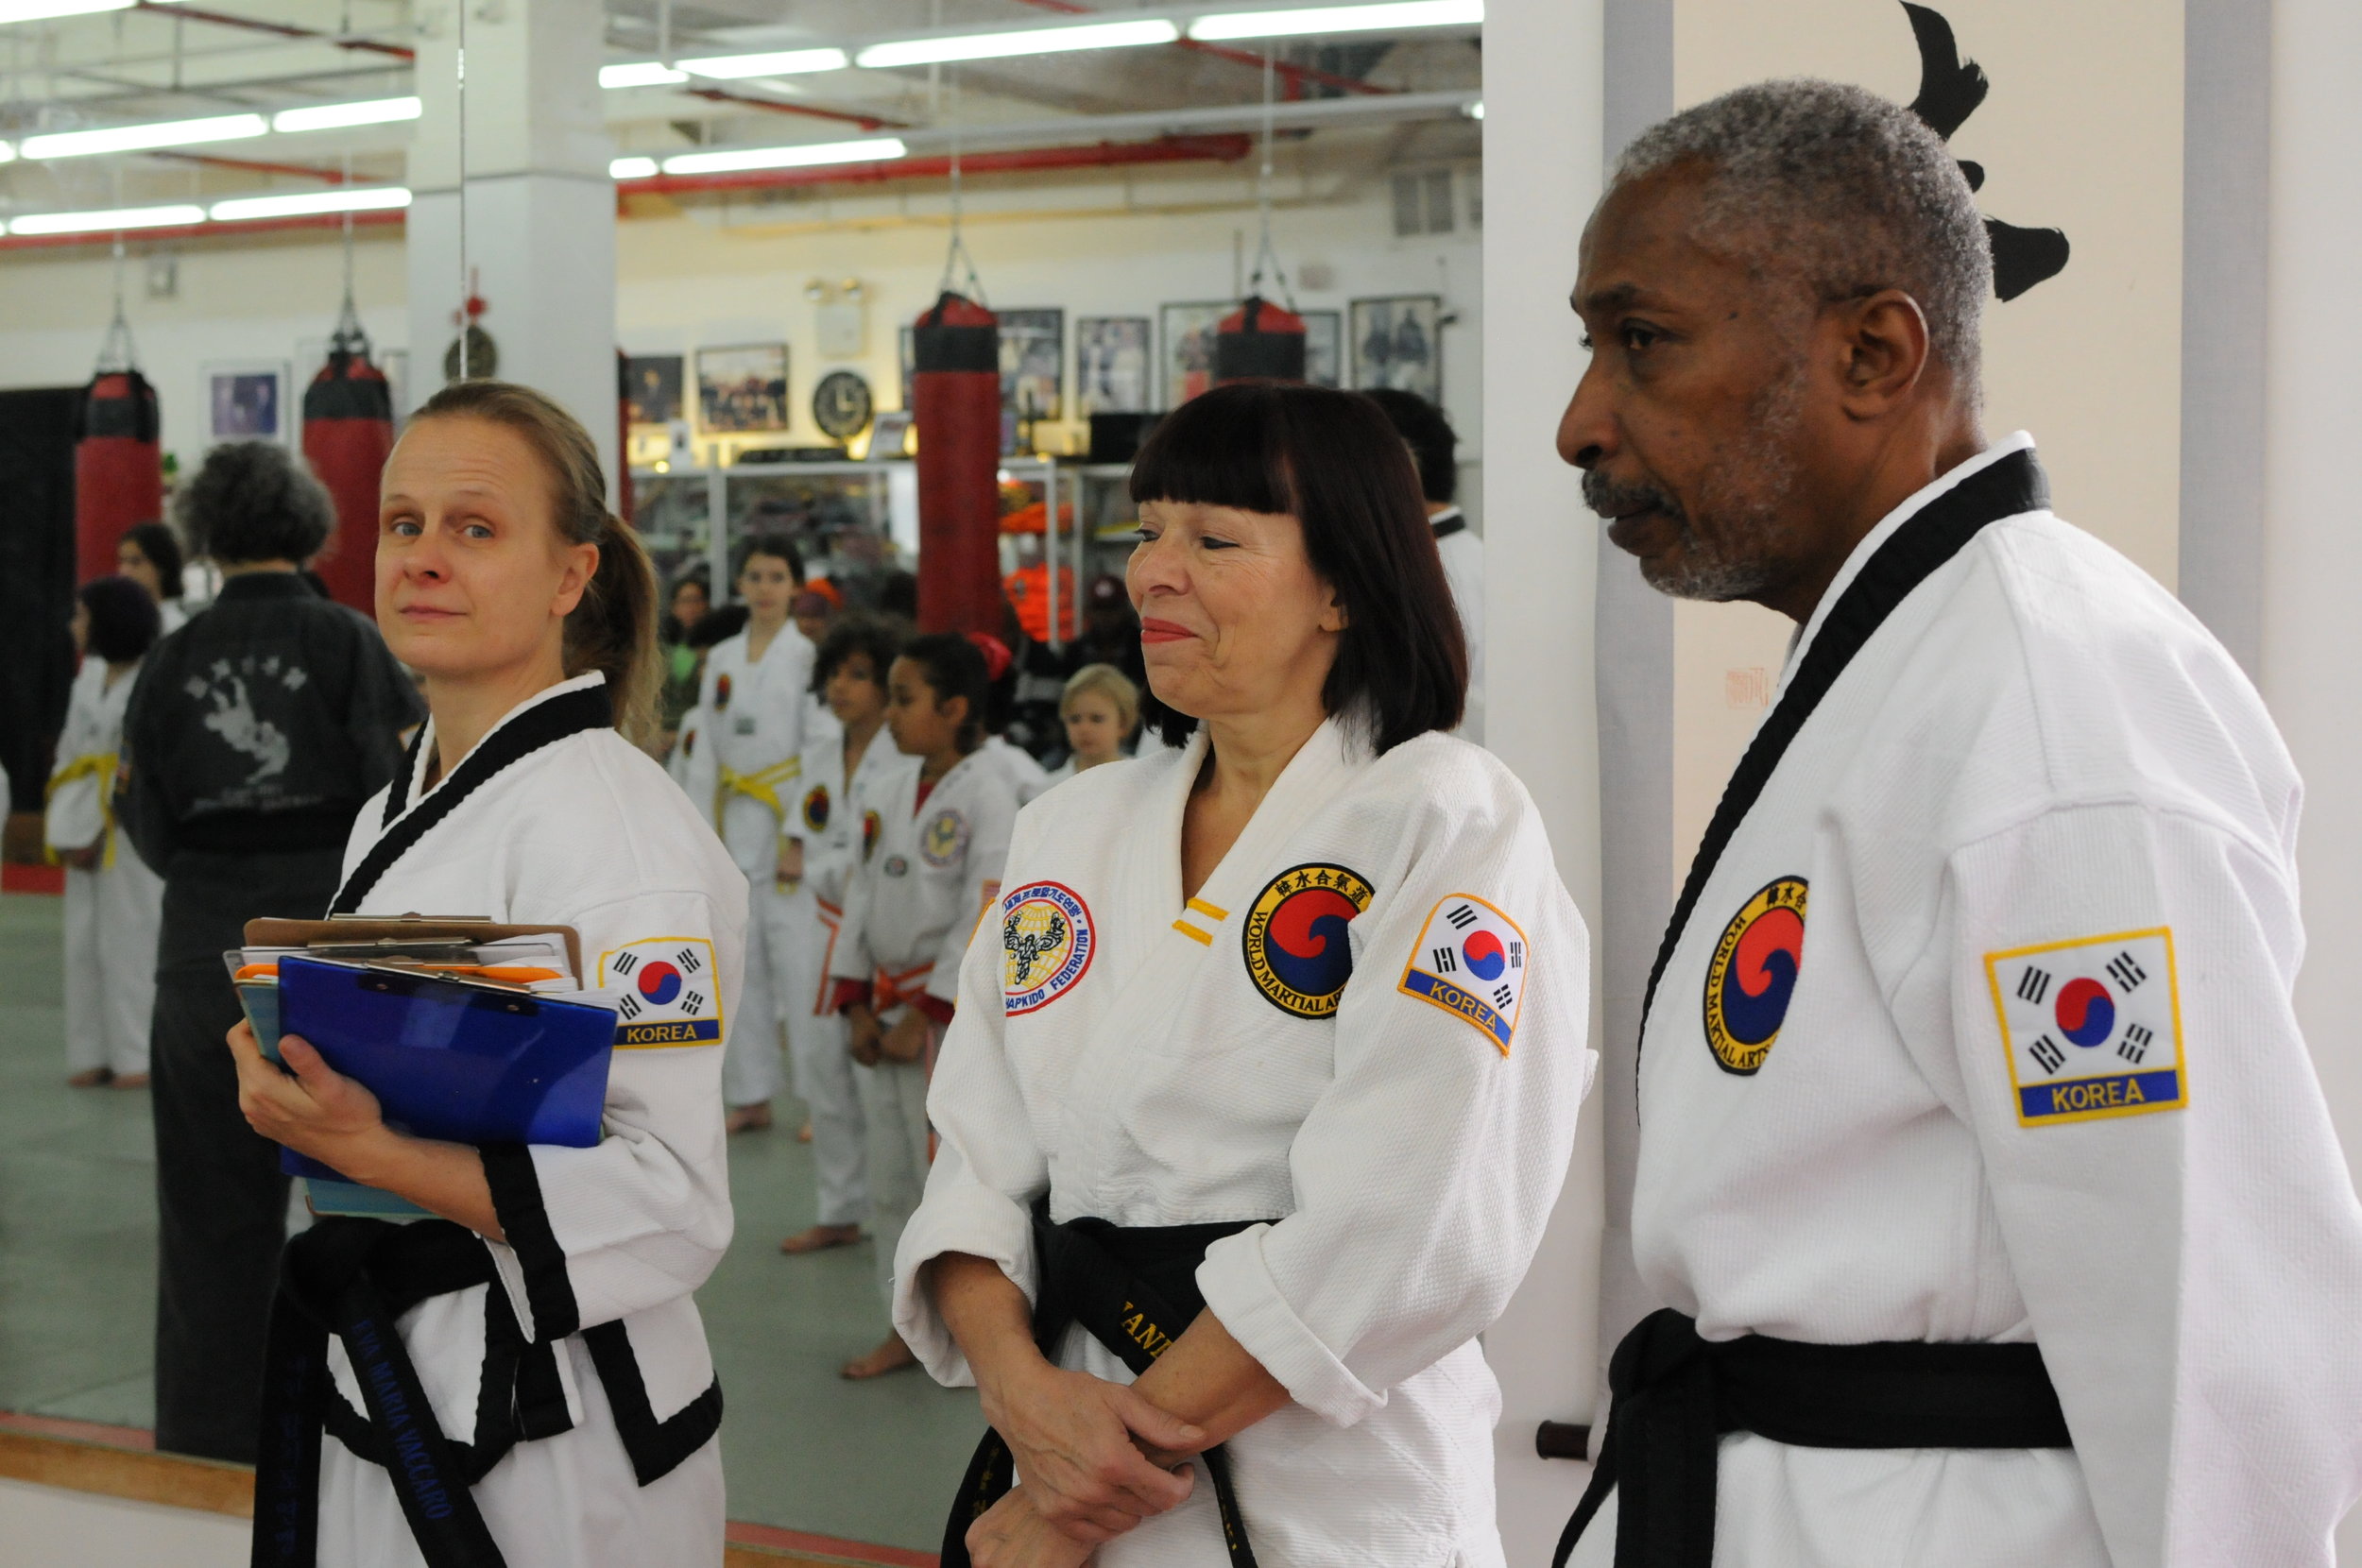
[721, 691]
[816, 807]
[1753, 974]
[944, 837]
[1294, 937]
[2086, 1014]
[1046, 944]
[897, 866]
[871, 825]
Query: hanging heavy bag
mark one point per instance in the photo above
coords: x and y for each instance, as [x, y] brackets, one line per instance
[348, 432]
[1259, 341]
[955, 396]
[118, 470]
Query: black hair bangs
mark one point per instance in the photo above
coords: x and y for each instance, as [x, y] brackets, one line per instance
[1220, 452]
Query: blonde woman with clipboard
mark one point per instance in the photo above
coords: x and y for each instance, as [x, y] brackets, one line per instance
[547, 1330]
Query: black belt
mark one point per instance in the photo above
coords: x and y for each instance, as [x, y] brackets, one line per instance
[1135, 1290]
[1676, 1394]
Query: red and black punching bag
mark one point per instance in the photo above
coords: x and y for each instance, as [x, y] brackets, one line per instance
[1259, 341]
[348, 430]
[118, 470]
[955, 396]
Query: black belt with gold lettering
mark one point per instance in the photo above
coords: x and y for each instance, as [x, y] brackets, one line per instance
[1134, 1288]
[1676, 1394]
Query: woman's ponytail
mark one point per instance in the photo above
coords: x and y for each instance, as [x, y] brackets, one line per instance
[613, 629]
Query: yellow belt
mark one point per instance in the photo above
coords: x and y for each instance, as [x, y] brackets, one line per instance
[762, 785]
[100, 766]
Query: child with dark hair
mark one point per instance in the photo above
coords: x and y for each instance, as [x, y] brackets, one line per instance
[114, 902]
[846, 769]
[935, 870]
[150, 555]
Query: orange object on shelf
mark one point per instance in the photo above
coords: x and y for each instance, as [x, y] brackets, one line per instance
[1035, 518]
[1028, 589]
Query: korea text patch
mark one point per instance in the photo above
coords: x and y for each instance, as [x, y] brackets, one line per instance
[668, 990]
[1470, 960]
[2093, 1027]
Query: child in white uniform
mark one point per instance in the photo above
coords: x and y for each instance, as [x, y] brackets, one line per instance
[845, 771]
[748, 754]
[114, 902]
[943, 838]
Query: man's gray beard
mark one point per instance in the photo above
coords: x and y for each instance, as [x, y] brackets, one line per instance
[1747, 493]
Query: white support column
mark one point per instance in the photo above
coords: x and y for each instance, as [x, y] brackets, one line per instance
[1542, 164]
[540, 209]
[2312, 640]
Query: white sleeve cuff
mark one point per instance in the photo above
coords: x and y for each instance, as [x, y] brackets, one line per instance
[956, 1218]
[1242, 1294]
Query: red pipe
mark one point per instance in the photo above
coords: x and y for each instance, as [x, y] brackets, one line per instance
[280, 28]
[1227, 148]
[780, 106]
[254, 165]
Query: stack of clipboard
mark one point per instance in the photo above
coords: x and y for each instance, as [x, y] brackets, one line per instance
[466, 1031]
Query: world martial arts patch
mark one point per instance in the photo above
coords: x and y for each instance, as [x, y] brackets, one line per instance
[816, 809]
[944, 837]
[1753, 975]
[669, 996]
[1470, 960]
[2093, 1027]
[871, 825]
[1046, 942]
[1294, 937]
[720, 692]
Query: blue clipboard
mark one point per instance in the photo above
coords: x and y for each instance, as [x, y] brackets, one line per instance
[452, 1059]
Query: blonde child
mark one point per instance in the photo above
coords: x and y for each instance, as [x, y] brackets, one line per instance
[1100, 707]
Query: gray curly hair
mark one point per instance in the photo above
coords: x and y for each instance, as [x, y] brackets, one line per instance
[1841, 189]
[255, 501]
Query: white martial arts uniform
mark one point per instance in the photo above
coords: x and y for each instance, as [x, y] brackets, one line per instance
[909, 912]
[112, 910]
[1464, 569]
[1298, 1047]
[1027, 776]
[831, 808]
[750, 740]
[2037, 1079]
[585, 831]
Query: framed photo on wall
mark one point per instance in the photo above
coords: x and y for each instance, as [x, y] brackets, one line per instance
[653, 384]
[1112, 356]
[246, 401]
[1323, 347]
[742, 388]
[1186, 333]
[1395, 343]
[1032, 364]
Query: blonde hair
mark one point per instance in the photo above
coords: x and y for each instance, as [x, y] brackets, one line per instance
[1108, 682]
[613, 629]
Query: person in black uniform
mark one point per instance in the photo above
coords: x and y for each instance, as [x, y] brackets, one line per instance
[253, 737]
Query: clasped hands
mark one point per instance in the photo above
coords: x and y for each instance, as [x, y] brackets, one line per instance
[1093, 1459]
[871, 1042]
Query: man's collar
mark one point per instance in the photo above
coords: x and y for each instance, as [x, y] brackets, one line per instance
[264, 584]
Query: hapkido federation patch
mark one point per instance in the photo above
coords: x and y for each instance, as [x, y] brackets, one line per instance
[1752, 976]
[2093, 1027]
[668, 992]
[816, 809]
[1296, 950]
[1470, 960]
[943, 838]
[1047, 943]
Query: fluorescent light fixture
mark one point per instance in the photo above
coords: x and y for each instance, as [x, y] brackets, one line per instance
[163, 133]
[300, 204]
[803, 156]
[1314, 20]
[42, 11]
[1024, 41]
[644, 73]
[1476, 110]
[632, 168]
[370, 111]
[779, 62]
[105, 223]
[7, 152]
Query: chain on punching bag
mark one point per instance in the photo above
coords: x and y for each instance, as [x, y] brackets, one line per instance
[118, 470]
[1259, 341]
[348, 432]
[955, 396]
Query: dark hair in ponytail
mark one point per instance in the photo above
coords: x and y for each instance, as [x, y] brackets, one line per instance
[953, 667]
[613, 629]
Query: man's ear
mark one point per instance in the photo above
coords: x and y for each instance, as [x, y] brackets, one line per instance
[1883, 349]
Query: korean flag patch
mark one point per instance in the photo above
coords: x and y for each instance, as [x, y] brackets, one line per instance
[1470, 960]
[2093, 1027]
[668, 991]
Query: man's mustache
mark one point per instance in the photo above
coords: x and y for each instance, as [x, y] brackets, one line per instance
[1610, 498]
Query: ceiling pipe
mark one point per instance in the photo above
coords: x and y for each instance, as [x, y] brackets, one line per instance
[782, 106]
[281, 29]
[251, 165]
